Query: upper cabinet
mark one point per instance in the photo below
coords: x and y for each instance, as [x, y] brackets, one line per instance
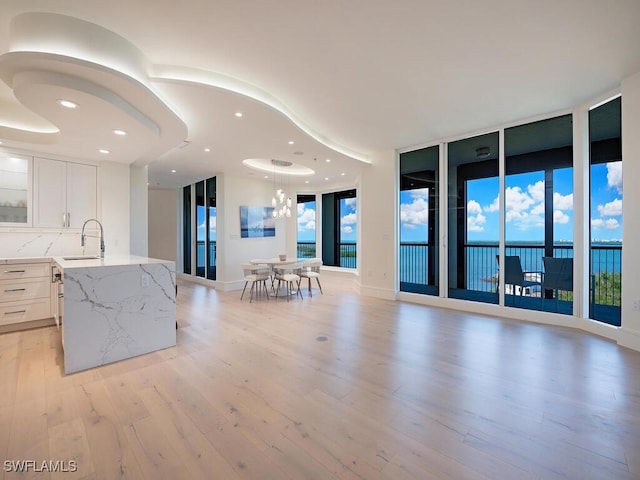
[65, 193]
[15, 183]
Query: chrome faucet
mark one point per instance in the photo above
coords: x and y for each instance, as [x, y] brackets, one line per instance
[82, 235]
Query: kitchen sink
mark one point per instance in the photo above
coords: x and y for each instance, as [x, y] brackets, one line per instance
[82, 257]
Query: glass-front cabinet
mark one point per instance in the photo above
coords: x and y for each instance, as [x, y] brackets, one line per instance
[15, 185]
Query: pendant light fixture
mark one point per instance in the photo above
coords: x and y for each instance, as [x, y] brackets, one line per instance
[280, 202]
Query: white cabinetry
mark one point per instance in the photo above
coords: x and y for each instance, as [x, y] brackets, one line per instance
[25, 292]
[64, 193]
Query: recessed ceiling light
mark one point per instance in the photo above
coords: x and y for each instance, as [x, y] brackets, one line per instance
[342, 174]
[238, 114]
[0, 142]
[306, 181]
[104, 151]
[328, 160]
[68, 104]
[173, 171]
[122, 133]
[326, 178]
[291, 142]
[266, 176]
[207, 149]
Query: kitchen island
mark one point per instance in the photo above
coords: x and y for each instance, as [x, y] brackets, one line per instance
[115, 308]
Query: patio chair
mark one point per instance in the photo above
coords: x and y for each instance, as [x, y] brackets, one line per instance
[516, 277]
[558, 275]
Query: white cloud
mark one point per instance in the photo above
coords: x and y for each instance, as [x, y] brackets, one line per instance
[560, 217]
[611, 209]
[476, 223]
[517, 201]
[614, 175]
[306, 218]
[611, 223]
[348, 219]
[347, 229]
[493, 207]
[538, 209]
[562, 202]
[414, 213]
[537, 191]
[473, 207]
[597, 223]
[351, 202]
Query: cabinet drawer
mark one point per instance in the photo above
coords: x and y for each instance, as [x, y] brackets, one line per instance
[16, 312]
[12, 290]
[25, 270]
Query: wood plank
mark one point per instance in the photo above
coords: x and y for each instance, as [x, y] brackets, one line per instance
[337, 386]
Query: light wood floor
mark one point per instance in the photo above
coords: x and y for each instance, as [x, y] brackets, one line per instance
[336, 386]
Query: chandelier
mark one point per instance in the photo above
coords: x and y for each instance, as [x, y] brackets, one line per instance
[280, 202]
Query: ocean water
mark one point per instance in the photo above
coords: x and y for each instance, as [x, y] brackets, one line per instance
[482, 265]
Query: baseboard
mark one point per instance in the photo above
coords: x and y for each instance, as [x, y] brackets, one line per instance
[629, 338]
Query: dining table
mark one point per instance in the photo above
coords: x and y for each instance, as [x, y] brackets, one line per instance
[276, 262]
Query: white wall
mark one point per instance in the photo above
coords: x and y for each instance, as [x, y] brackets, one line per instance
[139, 211]
[377, 226]
[163, 223]
[113, 206]
[232, 192]
[629, 334]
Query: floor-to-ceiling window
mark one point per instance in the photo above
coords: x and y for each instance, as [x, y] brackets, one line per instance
[418, 251]
[306, 222]
[605, 276]
[199, 203]
[186, 229]
[473, 218]
[339, 232]
[539, 215]
[201, 230]
[211, 227]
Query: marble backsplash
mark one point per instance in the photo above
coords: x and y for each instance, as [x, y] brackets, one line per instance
[47, 244]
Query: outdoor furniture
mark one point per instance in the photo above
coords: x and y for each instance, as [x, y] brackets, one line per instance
[558, 275]
[516, 277]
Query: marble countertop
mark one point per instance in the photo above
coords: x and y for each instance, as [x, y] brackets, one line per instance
[90, 261]
[107, 261]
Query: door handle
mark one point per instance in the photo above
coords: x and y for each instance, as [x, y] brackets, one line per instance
[15, 290]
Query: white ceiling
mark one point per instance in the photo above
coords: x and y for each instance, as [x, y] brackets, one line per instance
[342, 79]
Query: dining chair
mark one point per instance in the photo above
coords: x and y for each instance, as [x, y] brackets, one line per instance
[255, 274]
[311, 269]
[289, 275]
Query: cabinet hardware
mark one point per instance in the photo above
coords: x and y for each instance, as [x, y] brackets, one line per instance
[17, 311]
[15, 290]
[14, 271]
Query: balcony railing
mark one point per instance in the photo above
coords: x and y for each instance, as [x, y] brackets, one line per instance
[482, 268]
[348, 253]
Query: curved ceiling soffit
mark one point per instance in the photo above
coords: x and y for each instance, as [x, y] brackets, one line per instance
[74, 39]
[58, 51]
[29, 74]
[170, 73]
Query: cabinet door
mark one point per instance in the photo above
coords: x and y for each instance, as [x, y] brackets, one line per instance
[81, 193]
[50, 192]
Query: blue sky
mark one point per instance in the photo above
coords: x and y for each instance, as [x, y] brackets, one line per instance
[524, 202]
[348, 220]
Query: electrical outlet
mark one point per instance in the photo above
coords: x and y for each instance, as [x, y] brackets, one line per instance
[636, 305]
[144, 281]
